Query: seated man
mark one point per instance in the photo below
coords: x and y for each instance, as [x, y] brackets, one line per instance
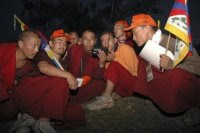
[121, 35]
[174, 90]
[14, 66]
[82, 63]
[120, 74]
[45, 93]
[74, 38]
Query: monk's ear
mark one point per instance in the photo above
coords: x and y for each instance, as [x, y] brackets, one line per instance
[20, 44]
[50, 43]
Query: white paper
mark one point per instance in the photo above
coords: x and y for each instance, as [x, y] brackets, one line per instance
[80, 81]
[152, 51]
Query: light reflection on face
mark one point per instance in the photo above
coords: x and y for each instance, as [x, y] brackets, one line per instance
[59, 45]
[107, 41]
[30, 47]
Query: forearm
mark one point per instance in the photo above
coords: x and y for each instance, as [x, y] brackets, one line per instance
[51, 70]
[102, 64]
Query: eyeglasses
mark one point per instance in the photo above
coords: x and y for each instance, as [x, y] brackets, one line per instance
[135, 33]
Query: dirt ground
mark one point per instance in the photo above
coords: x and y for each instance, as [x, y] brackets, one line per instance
[129, 115]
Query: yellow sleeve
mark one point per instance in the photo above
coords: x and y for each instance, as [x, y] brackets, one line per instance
[126, 56]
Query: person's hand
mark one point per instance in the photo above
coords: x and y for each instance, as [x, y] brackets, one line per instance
[102, 58]
[165, 62]
[73, 84]
[111, 56]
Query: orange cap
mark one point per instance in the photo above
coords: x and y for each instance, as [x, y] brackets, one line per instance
[141, 19]
[59, 33]
[125, 24]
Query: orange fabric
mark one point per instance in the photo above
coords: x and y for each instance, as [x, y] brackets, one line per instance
[68, 37]
[59, 33]
[125, 24]
[126, 56]
[86, 80]
[141, 19]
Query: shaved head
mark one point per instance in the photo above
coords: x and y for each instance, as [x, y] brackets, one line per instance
[29, 43]
[27, 34]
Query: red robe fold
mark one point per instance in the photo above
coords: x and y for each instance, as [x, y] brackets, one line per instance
[7, 68]
[174, 90]
[9, 73]
[90, 67]
[43, 96]
[124, 81]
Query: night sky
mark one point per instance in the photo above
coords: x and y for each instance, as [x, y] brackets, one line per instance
[10, 7]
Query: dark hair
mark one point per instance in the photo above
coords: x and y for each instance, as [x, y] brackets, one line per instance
[89, 31]
[74, 32]
[107, 32]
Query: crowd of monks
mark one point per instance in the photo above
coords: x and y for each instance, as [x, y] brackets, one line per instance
[48, 96]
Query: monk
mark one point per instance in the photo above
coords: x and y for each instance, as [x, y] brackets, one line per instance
[74, 38]
[83, 64]
[174, 90]
[121, 35]
[120, 73]
[44, 94]
[14, 65]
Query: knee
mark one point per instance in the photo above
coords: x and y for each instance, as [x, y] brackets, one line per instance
[58, 85]
[59, 82]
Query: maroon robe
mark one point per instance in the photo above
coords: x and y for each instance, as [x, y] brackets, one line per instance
[174, 90]
[8, 75]
[129, 42]
[44, 96]
[7, 68]
[122, 78]
[81, 64]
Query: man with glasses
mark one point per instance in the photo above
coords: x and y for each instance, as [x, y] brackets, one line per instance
[174, 90]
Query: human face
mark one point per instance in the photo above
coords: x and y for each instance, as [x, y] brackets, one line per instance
[58, 45]
[119, 30]
[107, 41]
[30, 46]
[74, 38]
[89, 41]
[140, 35]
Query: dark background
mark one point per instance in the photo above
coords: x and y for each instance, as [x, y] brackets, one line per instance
[78, 15]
